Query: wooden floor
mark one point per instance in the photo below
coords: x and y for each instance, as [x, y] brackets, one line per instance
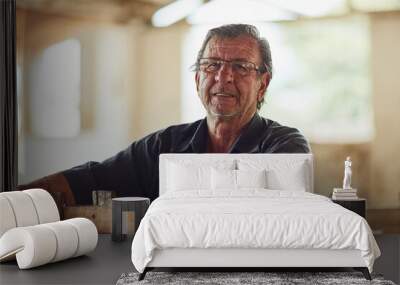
[385, 221]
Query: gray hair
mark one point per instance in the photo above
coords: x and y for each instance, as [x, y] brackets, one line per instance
[234, 31]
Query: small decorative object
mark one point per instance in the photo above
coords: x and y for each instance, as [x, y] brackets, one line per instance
[347, 192]
[347, 174]
[102, 198]
[127, 212]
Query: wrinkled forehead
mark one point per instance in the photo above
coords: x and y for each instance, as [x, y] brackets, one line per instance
[242, 47]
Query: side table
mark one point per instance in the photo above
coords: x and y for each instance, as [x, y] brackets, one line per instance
[357, 205]
[120, 206]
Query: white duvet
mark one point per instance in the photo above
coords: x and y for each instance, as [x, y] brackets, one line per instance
[252, 218]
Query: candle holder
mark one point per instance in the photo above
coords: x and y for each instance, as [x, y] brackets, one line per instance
[127, 212]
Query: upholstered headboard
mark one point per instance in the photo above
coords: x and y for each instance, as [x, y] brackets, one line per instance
[286, 165]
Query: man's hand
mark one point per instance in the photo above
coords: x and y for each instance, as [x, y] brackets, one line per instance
[53, 183]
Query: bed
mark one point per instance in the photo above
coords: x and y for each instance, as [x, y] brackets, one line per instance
[245, 211]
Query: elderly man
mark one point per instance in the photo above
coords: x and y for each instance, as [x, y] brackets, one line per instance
[232, 72]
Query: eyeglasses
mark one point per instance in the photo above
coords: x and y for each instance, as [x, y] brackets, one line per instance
[240, 67]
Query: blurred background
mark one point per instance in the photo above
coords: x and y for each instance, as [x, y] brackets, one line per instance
[95, 75]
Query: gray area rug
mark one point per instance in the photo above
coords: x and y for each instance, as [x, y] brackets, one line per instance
[270, 278]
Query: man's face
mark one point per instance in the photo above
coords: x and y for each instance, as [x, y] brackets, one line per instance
[226, 93]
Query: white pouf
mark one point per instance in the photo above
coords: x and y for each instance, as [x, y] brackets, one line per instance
[31, 232]
[37, 245]
[7, 220]
[45, 205]
[23, 208]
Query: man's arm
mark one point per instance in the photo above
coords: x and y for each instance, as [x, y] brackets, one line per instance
[292, 142]
[294, 147]
[53, 183]
[130, 172]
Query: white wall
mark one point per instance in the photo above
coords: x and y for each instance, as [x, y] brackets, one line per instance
[385, 154]
[159, 76]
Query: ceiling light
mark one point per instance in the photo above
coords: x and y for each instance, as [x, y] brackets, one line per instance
[229, 11]
[174, 12]
[313, 8]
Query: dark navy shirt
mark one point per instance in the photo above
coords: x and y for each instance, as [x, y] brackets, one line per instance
[134, 171]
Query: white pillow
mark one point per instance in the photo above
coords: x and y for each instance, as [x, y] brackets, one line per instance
[183, 178]
[281, 174]
[184, 175]
[236, 179]
[251, 178]
[292, 180]
[223, 179]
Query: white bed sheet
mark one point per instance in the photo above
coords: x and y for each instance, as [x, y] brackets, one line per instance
[251, 218]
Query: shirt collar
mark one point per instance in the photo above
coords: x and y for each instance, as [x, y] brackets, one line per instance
[247, 142]
[198, 143]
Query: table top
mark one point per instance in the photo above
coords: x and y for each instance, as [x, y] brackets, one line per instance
[131, 199]
[104, 265]
[349, 200]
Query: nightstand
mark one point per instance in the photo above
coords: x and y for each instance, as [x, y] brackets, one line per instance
[357, 206]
